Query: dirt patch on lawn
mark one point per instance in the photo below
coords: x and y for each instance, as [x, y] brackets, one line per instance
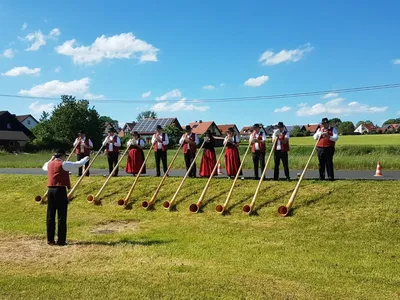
[115, 227]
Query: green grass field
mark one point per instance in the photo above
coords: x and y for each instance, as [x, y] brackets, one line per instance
[352, 153]
[342, 242]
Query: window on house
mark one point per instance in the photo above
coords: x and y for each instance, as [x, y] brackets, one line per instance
[12, 144]
[8, 126]
[29, 122]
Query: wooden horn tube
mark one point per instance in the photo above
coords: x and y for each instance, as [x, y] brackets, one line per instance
[43, 199]
[72, 191]
[221, 208]
[149, 204]
[195, 207]
[248, 208]
[169, 204]
[283, 210]
[96, 198]
[124, 202]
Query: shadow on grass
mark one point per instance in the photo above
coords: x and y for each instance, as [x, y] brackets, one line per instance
[121, 243]
[212, 200]
[279, 197]
[310, 202]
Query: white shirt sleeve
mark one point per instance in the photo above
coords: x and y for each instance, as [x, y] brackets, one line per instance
[105, 141]
[44, 168]
[317, 134]
[166, 142]
[182, 140]
[90, 143]
[118, 143]
[196, 139]
[153, 139]
[76, 142]
[335, 135]
[69, 165]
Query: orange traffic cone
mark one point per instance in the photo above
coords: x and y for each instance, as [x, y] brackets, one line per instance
[219, 168]
[378, 172]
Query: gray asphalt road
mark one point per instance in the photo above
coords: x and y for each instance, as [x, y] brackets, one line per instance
[339, 174]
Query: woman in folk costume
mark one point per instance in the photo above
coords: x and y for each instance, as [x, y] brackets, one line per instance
[209, 159]
[232, 158]
[135, 155]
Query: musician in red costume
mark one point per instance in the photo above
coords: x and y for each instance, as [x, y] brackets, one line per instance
[83, 146]
[189, 142]
[135, 155]
[281, 150]
[112, 143]
[209, 159]
[232, 158]
[160, 143]
[327, 136]
[257, 139]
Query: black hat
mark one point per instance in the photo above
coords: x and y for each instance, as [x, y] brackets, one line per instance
[280, 124]
[188, 128]
[158, 127]
[256, 125]
[60, 152]
[135, 133]
[82, 132]
[111, 129]
[230, 129]
[324, 120]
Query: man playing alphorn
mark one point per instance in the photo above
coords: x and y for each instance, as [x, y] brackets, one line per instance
[160, 142]
[112, 144]
[189, 140]
[281, 150]
[257, 139]
[326, 148]
[83, 146]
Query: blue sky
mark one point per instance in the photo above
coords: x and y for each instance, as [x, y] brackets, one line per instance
[185, 51]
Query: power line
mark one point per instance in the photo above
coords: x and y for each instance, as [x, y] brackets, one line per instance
[232, 99]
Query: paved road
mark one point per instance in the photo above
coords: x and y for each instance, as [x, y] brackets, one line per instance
[339, 174]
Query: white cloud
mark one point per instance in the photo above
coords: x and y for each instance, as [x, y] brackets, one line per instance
[302, 104]
[38, 40]
[337, 107]
[89, 96]
[176, 93]
[57, 70]
[57, 88]
[36, 108]
[146, 95]
[24, 26]
[396, 61]
[17, 71]
[124, 45]
[180, 105]
[254, 82]
[282, 109]
[330, 95]
[270, 58]
[222, 84]
[209, 87]
[8, 53]
[54, 33]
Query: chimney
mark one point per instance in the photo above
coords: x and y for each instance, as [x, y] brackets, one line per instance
[200, 121]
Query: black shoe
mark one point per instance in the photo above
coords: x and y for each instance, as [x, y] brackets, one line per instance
[61, 243]
[331, 179]
[256, 178]
[321, 178]
[51, 243]
[287, 178]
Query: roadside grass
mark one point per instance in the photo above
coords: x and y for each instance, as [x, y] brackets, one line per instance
[342, 242]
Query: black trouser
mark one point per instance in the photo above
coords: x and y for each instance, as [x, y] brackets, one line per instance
[189, 157]
[278, 156]
[79, 157]
[161, 155]
[57, 202]
[112, 162]
[325, 158]
[258, 159]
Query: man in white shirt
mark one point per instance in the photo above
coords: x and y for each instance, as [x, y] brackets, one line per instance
[281, 150]
[257, 139]
[189, 142]
[83, 146]
[160, 143]
[112, 143]
[327, 136]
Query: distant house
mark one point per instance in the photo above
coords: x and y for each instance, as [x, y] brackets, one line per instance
[201, 127]
[127, 129]
[13, 134]
[390, 127]
[147, 127]
[28, 120]
[246, 131]
[365, 128]
[224, 128]
[113, 126]
[312, 128]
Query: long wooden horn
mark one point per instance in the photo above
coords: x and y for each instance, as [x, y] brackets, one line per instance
[72, 191]
[43, 199]
[96, 198]
[221, 208]
[249, 207]
[168, 205]
[124, 202]
[283, 211]
[195, 207]
[149, 204]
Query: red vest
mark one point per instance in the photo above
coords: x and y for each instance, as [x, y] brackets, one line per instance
[86, 151]
[261, 146]
[192, 149]
[57, 176]
[163, 147]
[115, 149]
[284, 147]
[325, 141]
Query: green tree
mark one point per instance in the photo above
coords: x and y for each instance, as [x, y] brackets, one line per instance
[346, 128]
[392, 121]
[106, 119]
[146, 114]
[44, 116]
[335, 122]
[296, 131]
[174, 134]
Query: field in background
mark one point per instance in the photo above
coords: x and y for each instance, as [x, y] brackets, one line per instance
[341, 242]
[370, 139]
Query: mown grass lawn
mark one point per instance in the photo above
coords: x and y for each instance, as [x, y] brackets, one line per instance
[342, 242]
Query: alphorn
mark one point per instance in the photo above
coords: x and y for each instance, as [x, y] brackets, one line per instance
[169, 204]
[96, 198]
[221, 208]
[249, 207]
[72, 191]
[195, 207]
[149, 204]
[283, 211]
[124, 202]
[43, 199]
